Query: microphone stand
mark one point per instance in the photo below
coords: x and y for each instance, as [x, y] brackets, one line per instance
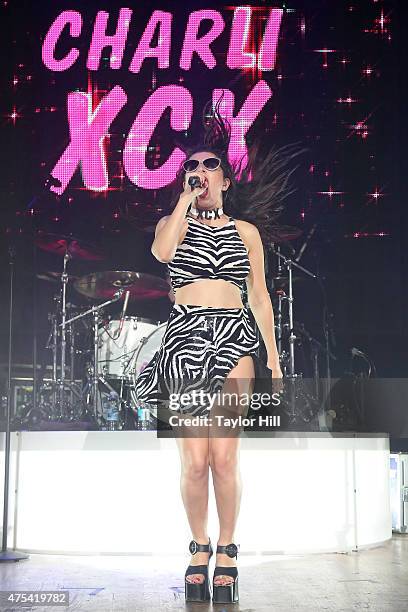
[316, 347]
[326, 331]
[7, 554]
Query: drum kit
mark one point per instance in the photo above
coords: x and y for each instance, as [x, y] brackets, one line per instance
[116, 348]
[97, 357]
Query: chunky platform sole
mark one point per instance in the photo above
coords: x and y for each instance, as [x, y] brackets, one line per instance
[226, 593]
[197, 592]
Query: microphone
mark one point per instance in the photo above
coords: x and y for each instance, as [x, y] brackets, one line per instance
[194, 181]
[122, 316]
[306, 242]
[125, 305]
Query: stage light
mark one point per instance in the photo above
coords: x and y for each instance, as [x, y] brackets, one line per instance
[310, 495]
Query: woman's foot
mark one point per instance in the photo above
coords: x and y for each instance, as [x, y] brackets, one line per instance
[199, 558]
[224, 560]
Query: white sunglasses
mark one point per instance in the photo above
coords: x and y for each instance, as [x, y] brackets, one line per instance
[210, 163]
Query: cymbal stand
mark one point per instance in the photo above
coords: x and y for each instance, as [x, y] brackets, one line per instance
[288, 264]
[95, 314]
[64, 282]
[72, 364]
[281, 297]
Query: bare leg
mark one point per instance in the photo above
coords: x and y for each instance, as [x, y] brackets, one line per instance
[194, 455]
[224, 462]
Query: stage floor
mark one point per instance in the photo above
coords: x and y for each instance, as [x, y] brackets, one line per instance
[375, 580]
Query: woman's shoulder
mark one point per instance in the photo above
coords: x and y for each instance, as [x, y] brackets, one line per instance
[163, 220]
[249, 233]
[244, 224]
[246, 228]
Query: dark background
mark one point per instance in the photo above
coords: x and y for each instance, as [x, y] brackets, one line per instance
[364, 273]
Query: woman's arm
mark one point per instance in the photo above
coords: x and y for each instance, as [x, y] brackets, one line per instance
[169, 228]
[259, 299]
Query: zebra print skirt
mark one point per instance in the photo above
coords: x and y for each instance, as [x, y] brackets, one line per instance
[199, 348]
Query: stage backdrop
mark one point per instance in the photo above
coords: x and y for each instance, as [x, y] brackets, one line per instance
[97, 93]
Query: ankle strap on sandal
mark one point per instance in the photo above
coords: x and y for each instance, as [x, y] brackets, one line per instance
[230, 549]
[195, 547]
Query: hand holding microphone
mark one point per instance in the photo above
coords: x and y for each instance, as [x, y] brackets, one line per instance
[194, 181]
[193, 187]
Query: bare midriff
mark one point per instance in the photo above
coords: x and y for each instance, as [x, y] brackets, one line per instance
[216, 293]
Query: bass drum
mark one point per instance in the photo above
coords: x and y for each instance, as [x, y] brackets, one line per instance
[146, 351]
[146, 417]
[117, 347]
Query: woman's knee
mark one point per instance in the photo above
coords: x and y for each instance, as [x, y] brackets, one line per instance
[223, 465]
[195, 467]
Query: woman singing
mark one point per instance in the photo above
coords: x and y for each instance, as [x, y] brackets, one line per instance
[210, 255]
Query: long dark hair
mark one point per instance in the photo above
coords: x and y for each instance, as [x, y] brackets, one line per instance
[259, 188]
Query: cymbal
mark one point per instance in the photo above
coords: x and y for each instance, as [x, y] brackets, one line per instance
[282, 281]
[283, 233]
[104, 285]
[59, 245]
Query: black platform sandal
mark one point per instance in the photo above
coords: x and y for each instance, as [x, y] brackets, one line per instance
[227, 593]
[198, 591]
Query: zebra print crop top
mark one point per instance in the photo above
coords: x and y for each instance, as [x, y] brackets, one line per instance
[209, 252]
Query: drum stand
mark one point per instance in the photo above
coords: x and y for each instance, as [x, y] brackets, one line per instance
[288, 264]
[94, 384]
[52, 344]
[60, 402]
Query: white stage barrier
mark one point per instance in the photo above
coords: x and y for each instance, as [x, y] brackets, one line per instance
[118, 493]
